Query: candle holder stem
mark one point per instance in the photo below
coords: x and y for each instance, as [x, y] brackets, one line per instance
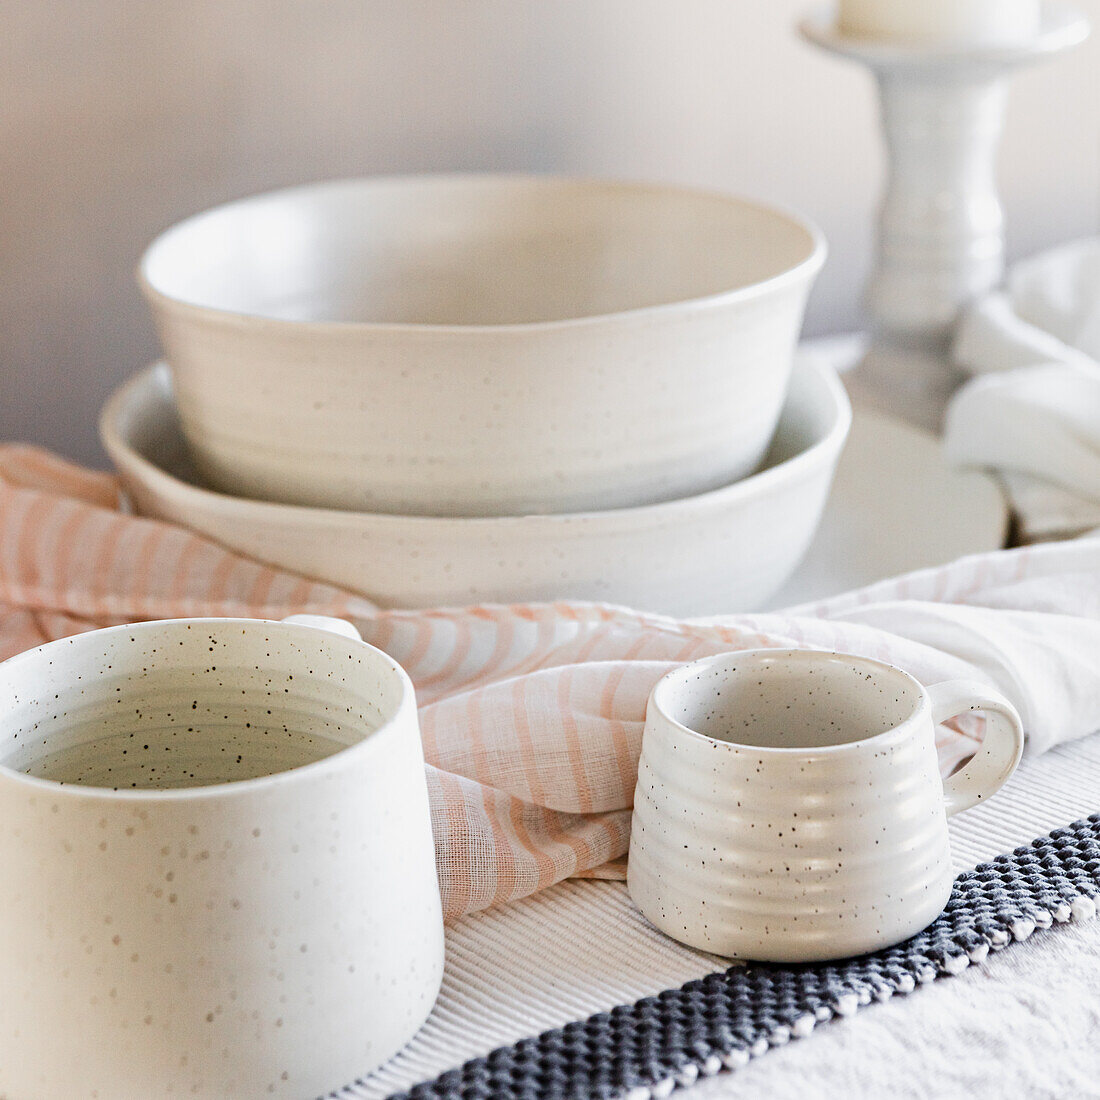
[941, 228]
[940, 241]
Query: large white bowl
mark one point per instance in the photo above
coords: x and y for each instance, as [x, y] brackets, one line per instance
[725, 550]
[480, 345]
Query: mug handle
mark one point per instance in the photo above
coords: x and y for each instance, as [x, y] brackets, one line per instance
[325, 622]
[1000, 749]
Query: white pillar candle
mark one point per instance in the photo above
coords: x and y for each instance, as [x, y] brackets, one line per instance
[941, 22]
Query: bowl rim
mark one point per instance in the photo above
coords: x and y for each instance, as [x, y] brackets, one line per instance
[805, 269]
[128, 461]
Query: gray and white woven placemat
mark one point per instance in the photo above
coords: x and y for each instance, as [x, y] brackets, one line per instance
[646, 1049]
[580, 951]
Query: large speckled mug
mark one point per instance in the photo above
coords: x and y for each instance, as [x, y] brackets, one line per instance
[217, 862]
[789, 805]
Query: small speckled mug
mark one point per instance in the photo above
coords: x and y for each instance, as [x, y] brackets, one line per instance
[217, 862]
[789, 805]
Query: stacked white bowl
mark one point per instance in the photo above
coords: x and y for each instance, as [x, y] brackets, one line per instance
[458, 388]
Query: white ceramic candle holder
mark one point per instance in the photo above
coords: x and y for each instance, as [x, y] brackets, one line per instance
[941, 227]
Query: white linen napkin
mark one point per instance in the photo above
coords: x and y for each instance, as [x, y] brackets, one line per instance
[1032, 412]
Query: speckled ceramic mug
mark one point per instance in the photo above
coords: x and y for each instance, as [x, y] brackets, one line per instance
[217, 862]
[789, 805]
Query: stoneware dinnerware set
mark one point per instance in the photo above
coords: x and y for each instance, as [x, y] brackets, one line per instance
[215, 836]
[462, 388]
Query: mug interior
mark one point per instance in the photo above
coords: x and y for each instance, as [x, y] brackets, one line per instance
[473, 250]
[189, 703]
[789, 699]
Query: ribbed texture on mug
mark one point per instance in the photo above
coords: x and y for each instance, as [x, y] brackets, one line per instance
[781, 857]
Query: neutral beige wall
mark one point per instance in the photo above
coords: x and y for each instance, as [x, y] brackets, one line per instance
[118, 117]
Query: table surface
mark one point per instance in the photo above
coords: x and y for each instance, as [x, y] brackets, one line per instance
[896, 506]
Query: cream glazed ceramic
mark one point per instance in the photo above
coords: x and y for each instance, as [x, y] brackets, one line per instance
[789, 806]
[480, 345]
[217, 858]
[943, 87]
[721, 551]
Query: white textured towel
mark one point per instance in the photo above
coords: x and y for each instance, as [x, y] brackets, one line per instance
[1033, 412]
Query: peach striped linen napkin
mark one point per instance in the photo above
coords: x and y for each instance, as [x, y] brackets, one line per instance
[532, 714]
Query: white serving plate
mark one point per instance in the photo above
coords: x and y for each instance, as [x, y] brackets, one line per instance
[896, 505]
[480, 344]
[724, 550]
